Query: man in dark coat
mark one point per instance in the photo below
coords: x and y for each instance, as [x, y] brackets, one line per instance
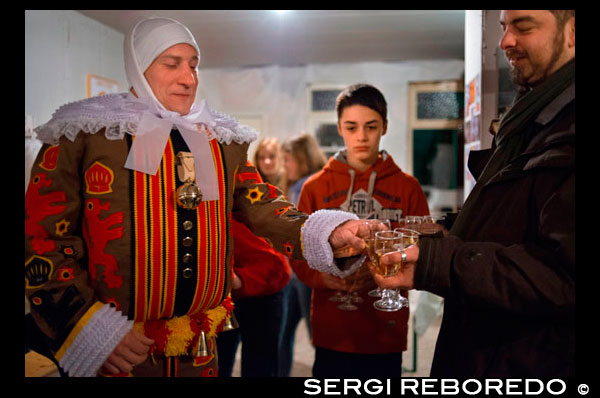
[506, 269]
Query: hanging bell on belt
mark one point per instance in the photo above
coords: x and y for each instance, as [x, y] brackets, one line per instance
[203, 350]
[188, 195]
[230, 323]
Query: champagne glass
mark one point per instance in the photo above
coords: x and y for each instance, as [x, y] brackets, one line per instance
[355, 295]
[386, 242]
[413, 222]
[408, 237]
[432, 225]
[338, 297]
[348, 252]
[347, 302]
[374, 227]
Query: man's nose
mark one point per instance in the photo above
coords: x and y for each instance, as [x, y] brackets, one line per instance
[507, 40]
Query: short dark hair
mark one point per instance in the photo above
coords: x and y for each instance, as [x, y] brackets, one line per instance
[361, 94]
[562, 16]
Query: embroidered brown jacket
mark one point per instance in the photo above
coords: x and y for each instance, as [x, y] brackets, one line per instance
[98, 232]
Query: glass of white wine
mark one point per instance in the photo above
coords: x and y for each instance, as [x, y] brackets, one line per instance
[348, 252]
[408, 237]
[347, 302]
[386, 242]
[431, 225]
[374, 227]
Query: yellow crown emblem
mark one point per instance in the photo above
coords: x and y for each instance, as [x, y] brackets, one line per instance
[99, 179]
[37, 271]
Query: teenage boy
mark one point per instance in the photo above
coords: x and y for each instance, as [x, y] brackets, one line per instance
[364, 180]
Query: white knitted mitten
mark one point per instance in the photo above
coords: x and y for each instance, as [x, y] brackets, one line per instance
[315, 241]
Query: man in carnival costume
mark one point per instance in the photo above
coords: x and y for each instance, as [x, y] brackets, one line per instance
[128, 244]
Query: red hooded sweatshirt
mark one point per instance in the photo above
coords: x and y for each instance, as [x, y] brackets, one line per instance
[385, 192]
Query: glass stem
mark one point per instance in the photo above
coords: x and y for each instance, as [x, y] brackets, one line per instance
[386, 294]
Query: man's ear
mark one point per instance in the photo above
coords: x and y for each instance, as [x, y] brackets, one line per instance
[571, 32]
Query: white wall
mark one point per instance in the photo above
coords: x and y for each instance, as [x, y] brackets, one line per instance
[492, 34]
[473, 43]
[280, 93]
[473, 69]
[61, 49]
[482, 37]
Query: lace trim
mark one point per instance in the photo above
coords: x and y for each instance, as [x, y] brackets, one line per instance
[119, 115]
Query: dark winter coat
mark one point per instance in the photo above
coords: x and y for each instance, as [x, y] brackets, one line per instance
[508, 281]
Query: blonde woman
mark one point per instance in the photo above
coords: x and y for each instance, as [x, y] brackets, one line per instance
[302, 157]
[268, 161]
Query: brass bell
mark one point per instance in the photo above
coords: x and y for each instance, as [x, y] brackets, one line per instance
[203, 350]
[188, 195]
[230, 323]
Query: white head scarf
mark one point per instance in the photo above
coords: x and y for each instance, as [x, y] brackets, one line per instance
[143, 43]
[146, 41]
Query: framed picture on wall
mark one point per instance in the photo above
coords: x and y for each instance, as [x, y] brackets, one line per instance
[98, 85]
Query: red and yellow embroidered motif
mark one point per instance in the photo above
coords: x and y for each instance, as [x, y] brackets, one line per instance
[65, 274]
[273, 191]
[249, 176]
[254, 195]
[61, 227]
[50, 158]
[68, 251]
[97, 232]
[37, 208]
[209, 372]
[288, 248]
[36, 301]
[112, 301]
[99, 179]
[38, 271]
[282, 210]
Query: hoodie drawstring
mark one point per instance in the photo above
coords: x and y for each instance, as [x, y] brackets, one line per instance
[346, 205]
[372, 179]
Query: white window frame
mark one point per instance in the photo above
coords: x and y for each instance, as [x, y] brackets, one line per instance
[317, 118]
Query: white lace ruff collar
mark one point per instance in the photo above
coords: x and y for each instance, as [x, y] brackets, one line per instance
[121, 113]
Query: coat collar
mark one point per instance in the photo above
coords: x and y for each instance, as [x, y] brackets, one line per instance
[553, 143]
